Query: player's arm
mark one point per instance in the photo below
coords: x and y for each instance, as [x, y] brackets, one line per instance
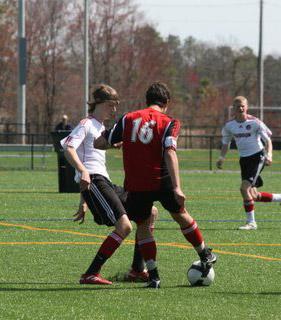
[101, 142]
[111, 138]
[70, 144]
[266, 133]
[226, 139]
[172, 163]
[223, 153]
[268, 150]
[72, 157]
[171, 159]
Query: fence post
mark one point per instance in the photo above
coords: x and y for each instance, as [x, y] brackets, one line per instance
[32, 151]
[211, 153]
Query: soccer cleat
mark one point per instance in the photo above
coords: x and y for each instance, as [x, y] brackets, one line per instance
[207, 257]
[153, 284]
[93, 279]
[249, 226]
[135, 276]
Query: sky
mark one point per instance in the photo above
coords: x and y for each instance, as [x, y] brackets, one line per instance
[230, 22]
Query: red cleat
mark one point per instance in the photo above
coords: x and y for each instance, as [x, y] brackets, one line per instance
[93, 279]
[135, 276]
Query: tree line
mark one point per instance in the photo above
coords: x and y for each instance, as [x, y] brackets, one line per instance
[128, 53]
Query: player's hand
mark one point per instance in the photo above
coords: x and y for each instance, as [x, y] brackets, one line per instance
[85, 180]
[79, 216]
[180, 197]
[219, 163]
[118, 145]
[268, 160]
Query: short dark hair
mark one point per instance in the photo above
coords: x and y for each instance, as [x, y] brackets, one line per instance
[158, 93]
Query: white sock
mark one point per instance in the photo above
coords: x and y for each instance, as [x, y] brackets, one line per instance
[276, 197]
[250, 217]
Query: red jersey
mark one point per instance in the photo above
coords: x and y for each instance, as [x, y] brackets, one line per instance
[145, 134]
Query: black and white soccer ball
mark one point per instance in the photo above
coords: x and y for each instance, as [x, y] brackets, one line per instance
[197, 275]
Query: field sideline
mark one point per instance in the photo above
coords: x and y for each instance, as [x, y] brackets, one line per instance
[43, 254]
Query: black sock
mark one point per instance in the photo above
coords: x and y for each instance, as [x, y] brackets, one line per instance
[138, 262]
[97, 263]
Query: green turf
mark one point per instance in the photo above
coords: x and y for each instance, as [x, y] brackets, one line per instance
[39, 280]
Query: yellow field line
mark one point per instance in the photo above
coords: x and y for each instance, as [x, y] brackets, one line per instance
[30, 243]
[23, 226]
[183, 246]
[245, 244]
[171, 244]
[166, 244]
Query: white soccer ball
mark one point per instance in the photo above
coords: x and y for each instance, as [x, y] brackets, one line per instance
[198, 276]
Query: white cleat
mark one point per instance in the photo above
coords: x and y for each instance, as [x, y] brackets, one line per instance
[249, 226]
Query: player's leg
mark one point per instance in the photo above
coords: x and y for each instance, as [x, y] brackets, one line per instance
[193, 235]
[139, 207]
[266, 196]
[249, 205]
[105, 201]
[138, 272]
[148, 249]
[251, 168]
[189, 227]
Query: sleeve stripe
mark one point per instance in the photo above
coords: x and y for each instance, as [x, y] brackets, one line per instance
[110, 134]
[164, 135]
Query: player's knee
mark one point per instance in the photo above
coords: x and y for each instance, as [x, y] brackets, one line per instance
[124, 226]
[127, 227]
[154, 213]
[255, 196]
[244, 189]
[182, 218]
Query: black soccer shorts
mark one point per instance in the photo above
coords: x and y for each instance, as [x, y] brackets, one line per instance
[139, 204]
[251, 167]
[105, 200]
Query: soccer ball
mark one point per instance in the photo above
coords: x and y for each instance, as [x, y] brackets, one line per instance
[198, 276]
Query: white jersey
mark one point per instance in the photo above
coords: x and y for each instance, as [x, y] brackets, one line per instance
[247, 135]
[82, 140]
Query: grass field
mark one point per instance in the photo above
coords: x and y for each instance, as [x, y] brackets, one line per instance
[43, 254]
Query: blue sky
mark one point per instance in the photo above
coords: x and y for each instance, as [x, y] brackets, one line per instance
[231, 22]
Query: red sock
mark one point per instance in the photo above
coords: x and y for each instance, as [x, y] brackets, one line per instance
[110, 244]
[264, 197]
[193, 234]
[148, 249]
[106, 250]
[249, 205]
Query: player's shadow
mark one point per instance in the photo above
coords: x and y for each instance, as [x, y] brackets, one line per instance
[264, 293]
[64, 287]
[28, 191]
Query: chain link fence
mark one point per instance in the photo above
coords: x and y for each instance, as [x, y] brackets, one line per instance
[195, 152]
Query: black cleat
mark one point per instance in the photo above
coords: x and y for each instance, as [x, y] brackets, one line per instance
[154, 284]
[207, 257]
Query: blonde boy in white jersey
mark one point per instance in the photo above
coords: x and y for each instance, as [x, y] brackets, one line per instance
[254, 145]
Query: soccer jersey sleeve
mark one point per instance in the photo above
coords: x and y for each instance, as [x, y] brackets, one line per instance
[115, 134]
[226, 135]
[75, 138]
[264, 131]
[171, 135]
